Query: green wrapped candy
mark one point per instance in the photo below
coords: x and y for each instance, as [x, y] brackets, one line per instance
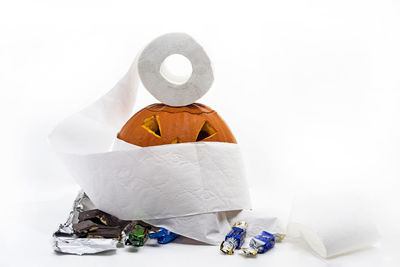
[138, 235]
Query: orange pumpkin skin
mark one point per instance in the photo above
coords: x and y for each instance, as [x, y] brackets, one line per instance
[159, 124]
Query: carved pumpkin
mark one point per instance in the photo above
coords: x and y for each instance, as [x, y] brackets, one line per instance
[159, 124]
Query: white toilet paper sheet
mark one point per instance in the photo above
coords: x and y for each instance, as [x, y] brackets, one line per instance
[333, 223]
[163, 181]
[211, 227]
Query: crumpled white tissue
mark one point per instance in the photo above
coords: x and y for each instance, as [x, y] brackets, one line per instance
[194, 189]
[332, 224]
[163, 181]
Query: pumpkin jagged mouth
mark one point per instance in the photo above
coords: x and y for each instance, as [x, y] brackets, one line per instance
[153, 126]
[176, 141]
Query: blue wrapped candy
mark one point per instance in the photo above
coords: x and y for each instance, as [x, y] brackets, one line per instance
[235, 238]
[163, 236]
[262, 243]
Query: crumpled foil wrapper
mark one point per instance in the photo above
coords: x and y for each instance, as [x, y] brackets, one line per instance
[65, 241]
[80, 246]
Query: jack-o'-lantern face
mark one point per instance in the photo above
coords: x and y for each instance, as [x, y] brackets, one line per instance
[159, 124]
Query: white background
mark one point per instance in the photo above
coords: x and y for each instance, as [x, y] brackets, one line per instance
[309, 88]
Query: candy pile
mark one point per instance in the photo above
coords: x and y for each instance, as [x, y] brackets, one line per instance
[258, 244]
[89, 230]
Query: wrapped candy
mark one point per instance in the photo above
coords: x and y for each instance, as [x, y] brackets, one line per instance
[235, 238]
[163, 236]
[262, 243]
[137, 235]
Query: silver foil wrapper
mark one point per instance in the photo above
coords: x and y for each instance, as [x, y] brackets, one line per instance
[80, 246]
[65, 241]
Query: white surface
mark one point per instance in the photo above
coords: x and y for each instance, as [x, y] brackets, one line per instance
[309, 88]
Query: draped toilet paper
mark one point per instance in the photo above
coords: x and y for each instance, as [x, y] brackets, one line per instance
[163, 181]
[332, 224]
[193, 189]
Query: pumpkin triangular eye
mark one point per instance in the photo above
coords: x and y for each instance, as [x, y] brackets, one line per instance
[152, 125]
[206, 131]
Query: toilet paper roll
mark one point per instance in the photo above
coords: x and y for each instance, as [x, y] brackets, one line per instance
[332, 225]
[157, 51]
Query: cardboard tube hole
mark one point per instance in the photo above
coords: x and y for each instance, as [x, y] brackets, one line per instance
[176, 69]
